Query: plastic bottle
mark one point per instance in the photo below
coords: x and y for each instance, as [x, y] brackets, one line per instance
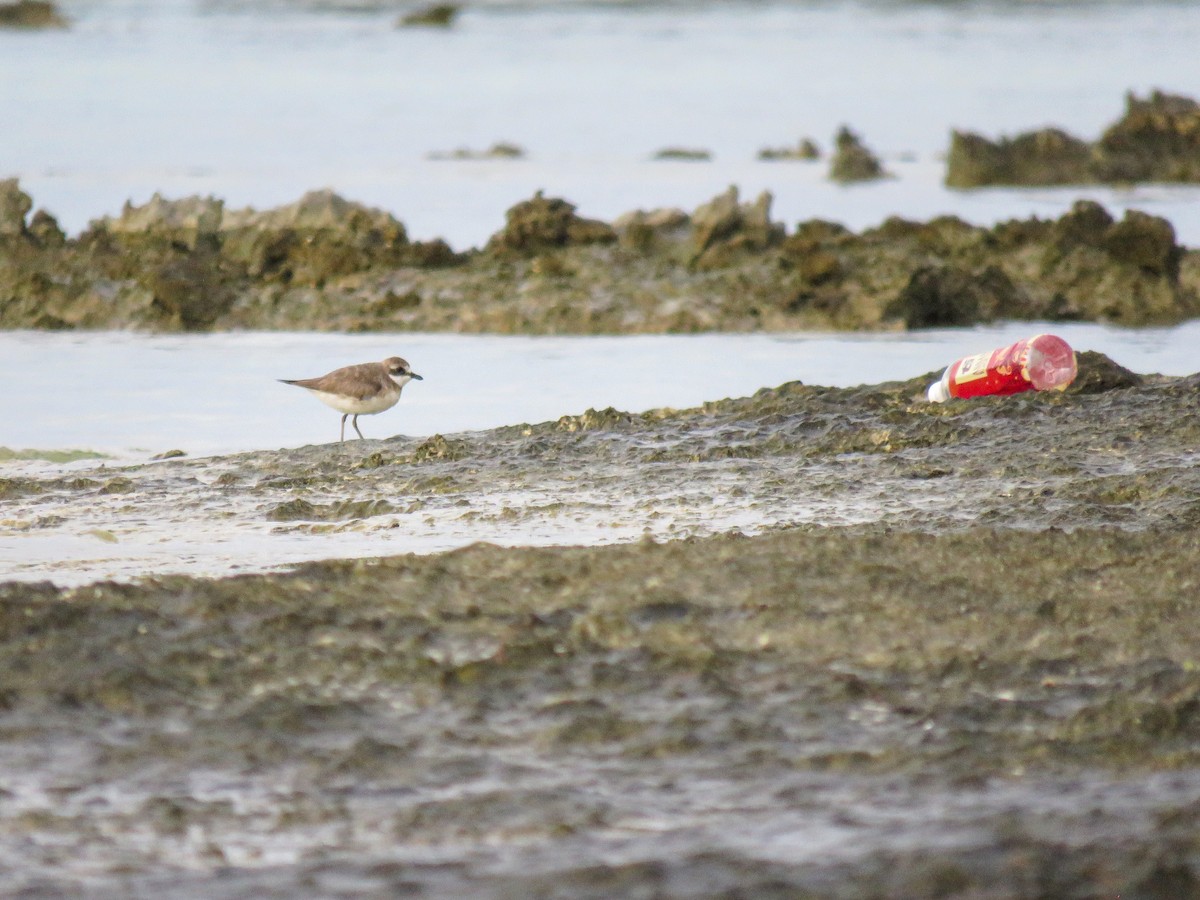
[1043, 362]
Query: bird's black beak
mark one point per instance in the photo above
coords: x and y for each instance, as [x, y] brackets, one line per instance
[415, 377]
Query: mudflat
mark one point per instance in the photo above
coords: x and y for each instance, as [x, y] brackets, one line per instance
[894, 649]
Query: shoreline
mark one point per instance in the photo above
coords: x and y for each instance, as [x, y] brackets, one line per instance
[791, 456]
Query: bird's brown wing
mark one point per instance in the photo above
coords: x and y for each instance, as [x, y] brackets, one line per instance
[358, 381]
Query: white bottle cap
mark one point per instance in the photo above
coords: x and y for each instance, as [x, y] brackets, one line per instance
[938, 392]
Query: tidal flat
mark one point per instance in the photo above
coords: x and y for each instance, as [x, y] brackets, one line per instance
[844, 643]
[811, 642]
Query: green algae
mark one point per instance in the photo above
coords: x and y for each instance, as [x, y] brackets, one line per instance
[55, 456]
[302, 510]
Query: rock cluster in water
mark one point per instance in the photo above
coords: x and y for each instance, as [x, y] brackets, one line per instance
[498, 150]
[805, 150]
[330, 264]
[1158, 139]
[852, 161]
[435, 15]
[31, 14]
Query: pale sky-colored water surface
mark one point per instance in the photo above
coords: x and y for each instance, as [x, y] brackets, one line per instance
[258, 102]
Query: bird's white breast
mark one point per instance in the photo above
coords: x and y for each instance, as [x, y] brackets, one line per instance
[374, 404]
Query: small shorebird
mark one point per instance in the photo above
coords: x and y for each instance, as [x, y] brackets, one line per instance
[360, 390]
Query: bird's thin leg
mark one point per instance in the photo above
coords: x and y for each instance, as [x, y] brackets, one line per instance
[344, 418]
[354, 422]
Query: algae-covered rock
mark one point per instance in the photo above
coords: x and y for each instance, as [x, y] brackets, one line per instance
[1158, 139]
[319, 237]
[547, 223]
[684, 154]
[501, 150]
[1145, 241]
[723, 226]
[188, 293]
[852, 161]
[1127, 271]
[15, 205]
[591, 420]
[436, 15]
[645, 231]
[1140, 250]
[299, 509]
[316, 210]
[1098, 373]
[949, 296]
[1045, 157]
[189, 220]
[439, 447]
[31, 14]
[812, 253]
[1084, 266]
[328, 263]
[806, 150]
[1085, 224]
[45, 230]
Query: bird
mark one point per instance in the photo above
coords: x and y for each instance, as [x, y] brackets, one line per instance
[361, 390]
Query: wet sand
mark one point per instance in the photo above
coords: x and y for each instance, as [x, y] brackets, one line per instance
[872, 647]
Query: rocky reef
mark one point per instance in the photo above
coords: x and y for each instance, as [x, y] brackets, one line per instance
[31, 14]
[852, 161]
[326, 263]
[435, 15]
[499, 150]
[683, 154]
[1158, 139]
[805, 150]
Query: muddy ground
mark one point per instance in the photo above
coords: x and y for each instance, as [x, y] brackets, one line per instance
[946, 651]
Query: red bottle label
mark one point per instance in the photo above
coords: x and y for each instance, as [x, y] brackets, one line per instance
[1002, 371]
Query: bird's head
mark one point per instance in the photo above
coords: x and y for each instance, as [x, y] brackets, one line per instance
[400, 371]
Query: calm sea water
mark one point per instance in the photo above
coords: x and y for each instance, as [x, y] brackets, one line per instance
[134, 395]
[257, 102]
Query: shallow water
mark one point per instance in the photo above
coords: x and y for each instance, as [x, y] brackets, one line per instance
[132, 396]
[257, 103]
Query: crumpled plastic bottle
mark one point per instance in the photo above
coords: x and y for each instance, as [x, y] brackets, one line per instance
[1043, 362]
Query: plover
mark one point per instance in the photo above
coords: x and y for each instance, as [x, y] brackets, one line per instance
[361, 390]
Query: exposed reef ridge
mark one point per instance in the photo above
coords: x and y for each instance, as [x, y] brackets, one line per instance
[325, 263]
[1158, 139]
[31, 15]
